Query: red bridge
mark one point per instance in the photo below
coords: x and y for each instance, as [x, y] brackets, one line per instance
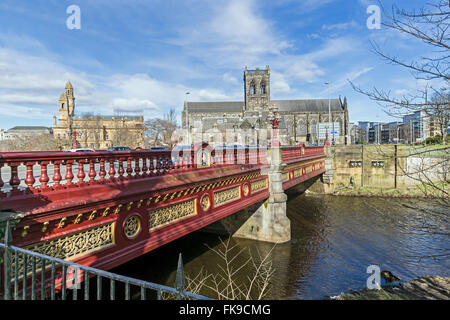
[104, 208]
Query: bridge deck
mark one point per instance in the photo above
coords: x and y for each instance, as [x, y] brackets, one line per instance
[129, 203]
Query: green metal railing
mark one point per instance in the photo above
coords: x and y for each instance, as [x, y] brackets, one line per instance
[28, 275]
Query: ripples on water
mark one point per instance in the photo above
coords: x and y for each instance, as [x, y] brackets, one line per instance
[334, 240]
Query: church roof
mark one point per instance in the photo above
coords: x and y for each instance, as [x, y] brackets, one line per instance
[105, 117]
[310, 105]
[217, 106]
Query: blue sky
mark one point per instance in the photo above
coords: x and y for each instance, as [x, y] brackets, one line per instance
[142, 56]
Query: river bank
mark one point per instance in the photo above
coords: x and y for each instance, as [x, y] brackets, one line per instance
[423, 288]
[418, 191]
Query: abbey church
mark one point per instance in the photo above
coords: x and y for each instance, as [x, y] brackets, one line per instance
[302, 121]
[96, 131]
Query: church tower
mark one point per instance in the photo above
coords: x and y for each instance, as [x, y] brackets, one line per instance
[66, 105]
[70, 98]
[257, 89]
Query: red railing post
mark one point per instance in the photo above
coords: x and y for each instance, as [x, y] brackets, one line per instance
[43, 179]
[137, 168]
[144, 166]
[29, 179]
[14, 181]
[56, 173]
[102, 171]
[121, 170]
[92, 174]
[69, 173]
[81, 175]
[112, 170]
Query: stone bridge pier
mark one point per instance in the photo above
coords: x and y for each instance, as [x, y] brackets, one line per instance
[264, 222]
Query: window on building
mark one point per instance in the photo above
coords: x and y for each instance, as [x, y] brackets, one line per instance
[252, 88]
[301, 128]
[262, 88]
[62, 106]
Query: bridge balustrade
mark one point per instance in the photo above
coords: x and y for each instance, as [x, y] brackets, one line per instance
[34, 172]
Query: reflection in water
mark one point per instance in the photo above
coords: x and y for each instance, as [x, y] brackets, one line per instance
[334, 240]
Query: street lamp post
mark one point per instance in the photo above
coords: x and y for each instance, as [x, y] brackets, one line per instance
[327, 142]
[74, 133]
[274, 119]
[188, 133]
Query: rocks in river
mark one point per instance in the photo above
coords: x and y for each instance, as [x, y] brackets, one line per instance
[423, 288]
[389, 276]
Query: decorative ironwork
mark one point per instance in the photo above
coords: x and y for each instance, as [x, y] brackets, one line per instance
[45, 226]
[62, 223]
[92, 215]
[259, 185]
[132, 227]
[163, 216]
[76, 244]
[205, 202]
[245, 189]
[225, 196]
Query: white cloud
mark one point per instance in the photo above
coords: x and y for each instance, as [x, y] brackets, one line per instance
[227, 77]
[279, 84]
[340, 26]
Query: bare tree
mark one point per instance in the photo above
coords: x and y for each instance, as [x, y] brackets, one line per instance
[42, 142]
[430, 25]
[158, 131]
[242, 276]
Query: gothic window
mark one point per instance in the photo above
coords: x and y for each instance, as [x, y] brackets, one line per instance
[262, 88]
[301, 128]
[252, 88]
[62, 106]
[313, 127]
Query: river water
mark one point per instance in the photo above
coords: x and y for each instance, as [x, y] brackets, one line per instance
[334, 240]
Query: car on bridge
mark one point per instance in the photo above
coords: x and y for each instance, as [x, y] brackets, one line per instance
[112, 149]
[81, 150]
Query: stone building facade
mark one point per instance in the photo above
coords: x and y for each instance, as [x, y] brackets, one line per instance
[95, 131]
[244, 122]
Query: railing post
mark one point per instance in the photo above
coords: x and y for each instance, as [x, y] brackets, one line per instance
[56, 173]
[180, 280]
[29, 179]
[44, 179]
[121, 171]
[7, 263]
[1, 181]
[14, 181]
[92, 174]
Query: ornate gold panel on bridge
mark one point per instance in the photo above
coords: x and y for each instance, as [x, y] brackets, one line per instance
[297, 173]
[259, 185]
[285, 176]
[163, 216]
[225, 196]
[69, 247]
[77, 244]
